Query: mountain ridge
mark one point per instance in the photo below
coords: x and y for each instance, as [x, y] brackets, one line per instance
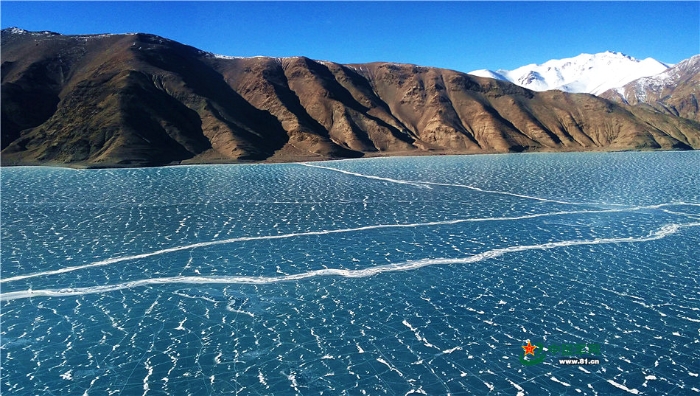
[142, 100]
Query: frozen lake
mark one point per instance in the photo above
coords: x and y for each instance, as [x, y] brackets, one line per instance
[420, 275]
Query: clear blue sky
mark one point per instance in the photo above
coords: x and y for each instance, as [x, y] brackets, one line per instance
[456, 35]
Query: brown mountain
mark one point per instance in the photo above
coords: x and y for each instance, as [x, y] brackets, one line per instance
[139, 99]
[675, 91]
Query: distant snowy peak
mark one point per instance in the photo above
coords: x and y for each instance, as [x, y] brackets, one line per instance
[45, 33]
[671, 77]
[16, 30]
[588, 73]
[488, 74]
[675, 91]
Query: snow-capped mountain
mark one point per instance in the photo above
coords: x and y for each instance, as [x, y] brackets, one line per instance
[584, 73]
[674, 91]
[16, 30]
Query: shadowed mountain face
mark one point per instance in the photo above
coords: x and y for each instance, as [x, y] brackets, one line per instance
[139, 100]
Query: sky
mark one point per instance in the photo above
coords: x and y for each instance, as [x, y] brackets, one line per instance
[457, 35]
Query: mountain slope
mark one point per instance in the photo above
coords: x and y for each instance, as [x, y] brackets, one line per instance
[675, 91]
[584, 73]
[139, 100]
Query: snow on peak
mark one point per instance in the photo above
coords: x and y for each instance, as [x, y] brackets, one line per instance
[668, 78]
[488, 73]
[15, 30]
[228, 57]
[589, 73]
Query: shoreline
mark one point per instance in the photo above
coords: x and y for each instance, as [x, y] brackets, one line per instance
[302, 159]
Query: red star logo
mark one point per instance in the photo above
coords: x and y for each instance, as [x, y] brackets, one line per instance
[529, 349]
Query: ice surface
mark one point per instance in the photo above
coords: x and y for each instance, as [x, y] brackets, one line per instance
[400, 275]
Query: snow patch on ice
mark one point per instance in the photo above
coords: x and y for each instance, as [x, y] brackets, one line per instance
[624, 388]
